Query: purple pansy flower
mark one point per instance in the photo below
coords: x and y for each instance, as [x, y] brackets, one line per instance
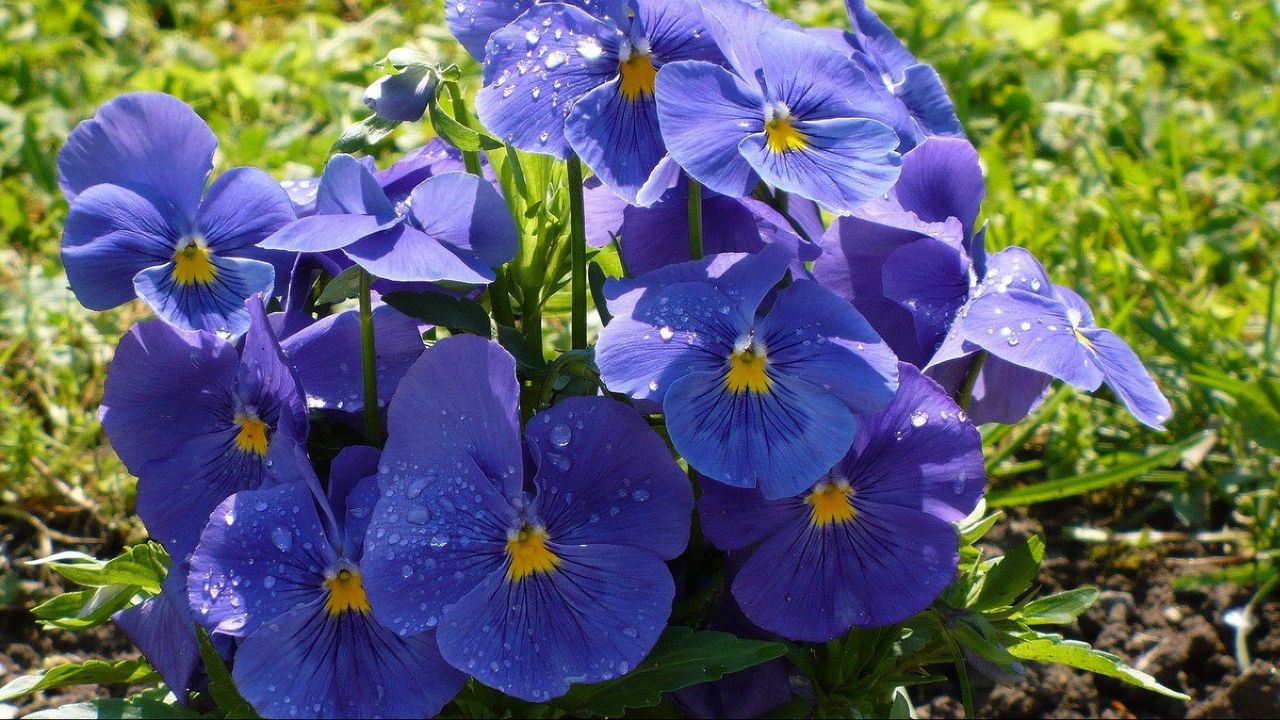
[281, 569]
[793, 111]
[141, 223]
[196, 421]
[562, 79]
[450, 228]
[752, 396]
[653, 237]
[926, 108]
[872, 543]
[472, 22]
[907, 261]
[535, 579]
[1043, 331]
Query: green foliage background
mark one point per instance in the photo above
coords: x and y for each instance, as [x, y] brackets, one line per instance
[1131, 144]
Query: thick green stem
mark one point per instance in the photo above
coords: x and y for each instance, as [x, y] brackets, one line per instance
[695, 219]
[369, 363]
[578, 239]
[966, 390]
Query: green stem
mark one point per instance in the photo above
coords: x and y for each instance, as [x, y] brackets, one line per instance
[1246, 621]
[470, 158]
[369, 363]
[695, 219]
[966, 390]
[517, 173]
[962, 674]
[500, 299]
[578, 238]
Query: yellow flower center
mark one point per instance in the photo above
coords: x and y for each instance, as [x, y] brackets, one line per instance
[529, 553]
[252, 437]
[191, 264]
[637, 76]
[782, 135]
[346, 594]
[829, 503]
[747, 371]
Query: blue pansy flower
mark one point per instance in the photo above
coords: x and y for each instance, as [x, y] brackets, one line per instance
[793, 112]
[141, 223]
[281, 570]
[1034, 331]
[451, 227]
[872, 542]
[562, 79]
[653, 237]
[753, 395]
[196, 421]
[926, 108]
[906, 261]
[535, 579]
[472, 22]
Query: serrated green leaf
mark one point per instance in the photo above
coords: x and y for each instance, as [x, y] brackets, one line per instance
[681, 658]
[89, 672]
[84, 608]
[1010, 576]
[124, 709]
[443, 310]
[1052, 648]
[143, 566]
[344, 286]
[1088, 482]
[222, 688]
[1060, 608]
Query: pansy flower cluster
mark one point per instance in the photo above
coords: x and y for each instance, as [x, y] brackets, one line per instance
[805, 330]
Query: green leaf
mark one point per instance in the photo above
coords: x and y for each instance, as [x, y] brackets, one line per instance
[970, 534]
[222, 688]
[1244, 575]
[1060, 608]
[901, 709]
[134, 707]
[443, 310]
[595, 280]
[1011, 575]
[1050, 648]
[360, 135]
[89, 672]
[143, 566]
[1088, 482]
[344, 286]
[459, 135]
[84, 608]
[681, 658]
[515, 343]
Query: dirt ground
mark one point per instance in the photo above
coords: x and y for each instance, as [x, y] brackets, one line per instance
[1180, 638]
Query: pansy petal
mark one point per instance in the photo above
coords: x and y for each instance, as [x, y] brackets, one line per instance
[925, 96]
[263, 554]
[438, 531]
[746, 279]
[149, 139]
[348, 187]
[929, 278]
[309, 663]
[816, 82]
[1032, 331]
[537, 67]
[1073, 301]
[736, 518]
[846, 161]
[604, 476]
[406, 254]
[243, 207]
[657, 236]
[875, 38]
[781, 440]
[473, 22]
[617, 137]
[882, 567]
[1005, 392]
[1015, 268]
[918, 453]
[736, 27]
[434, 158]
[164, 630]
[161, 379]
[216, 306]
[676, 30]
[326, 357]
[476, 413]
[322, 233]
[265, 379]
[705, 112]
[593, 618]
[111, 234]
[402, 97]
[941, 178]
[1125, 375]
[464, 212]
[667, 333]
[813, 335]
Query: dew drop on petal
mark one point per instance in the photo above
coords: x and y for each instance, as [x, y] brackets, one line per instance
[919, 418]
[561, 435]
[281, 538]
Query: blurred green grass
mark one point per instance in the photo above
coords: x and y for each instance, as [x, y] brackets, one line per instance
[1131, 144]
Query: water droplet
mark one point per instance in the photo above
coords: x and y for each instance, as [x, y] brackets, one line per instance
[640, 495]
[561, 435]
[919, 418]
[406, 570]
[282, 539]
[666, 333]
[269, 582]
[556, 58]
